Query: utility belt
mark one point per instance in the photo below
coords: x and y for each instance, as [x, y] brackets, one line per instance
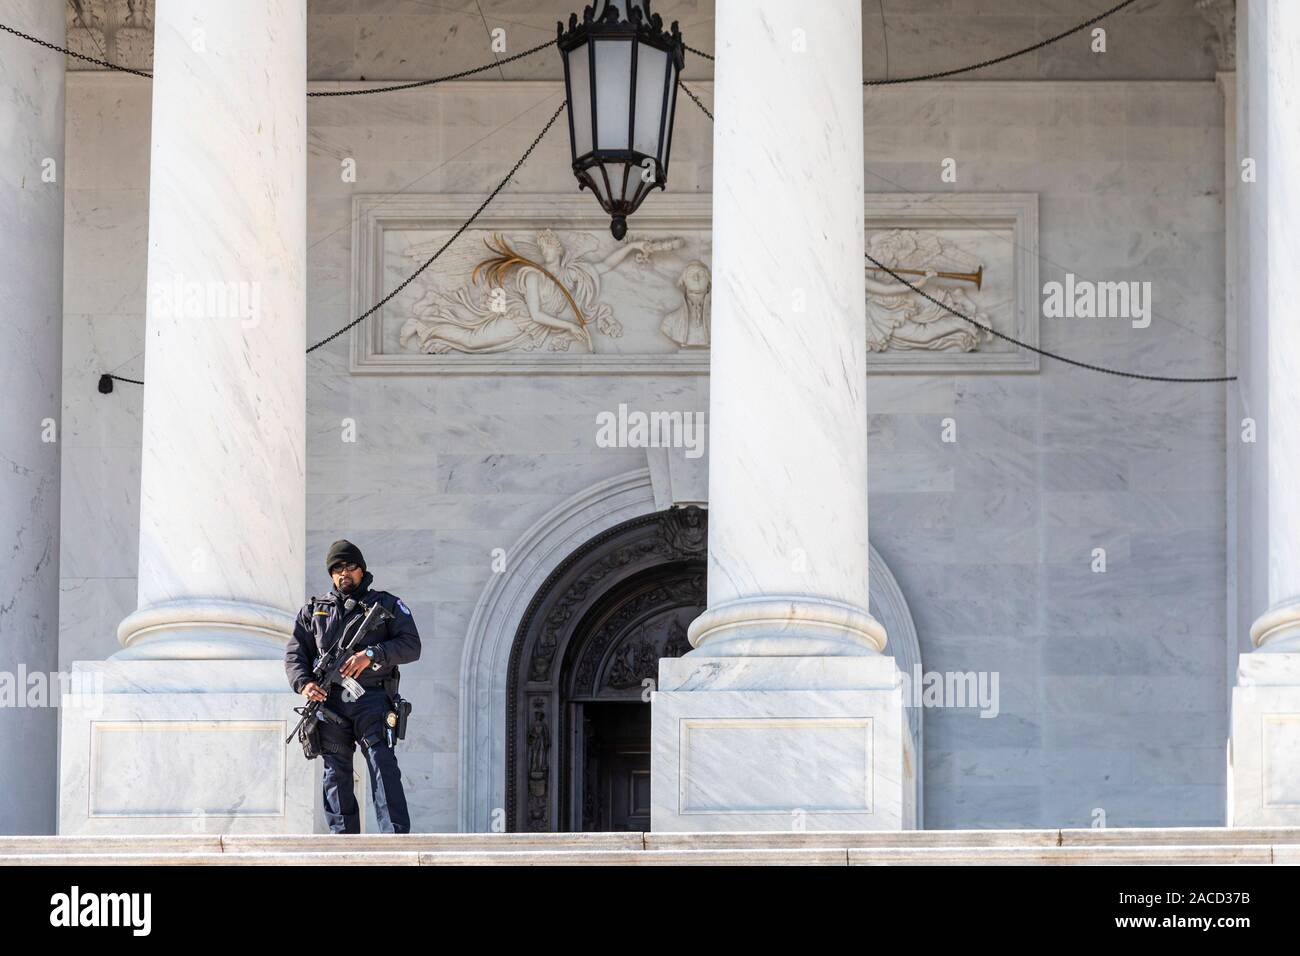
[395, 719]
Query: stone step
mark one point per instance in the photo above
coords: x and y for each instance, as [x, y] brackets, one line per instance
[1102, 855]
[219, 843]
[1216, 845]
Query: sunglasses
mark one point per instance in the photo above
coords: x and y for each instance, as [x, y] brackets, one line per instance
[344, 568]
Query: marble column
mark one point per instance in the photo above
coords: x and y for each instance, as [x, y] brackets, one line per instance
[31, 289]
[788, 547]
[1264, 788]
[222, 487]
[785, 713]
[184, 730]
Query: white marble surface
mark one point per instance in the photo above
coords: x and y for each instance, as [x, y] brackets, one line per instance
[1273, 104]
[186, 747]
[1265, 748]
[222, 513]
[1114, 705]
[781, 744]
[788, 532]
[31, 287]
[1264, 756]
[490, 629]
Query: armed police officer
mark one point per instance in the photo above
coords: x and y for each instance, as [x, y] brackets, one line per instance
[369, 719]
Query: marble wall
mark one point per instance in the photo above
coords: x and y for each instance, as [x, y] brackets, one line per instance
[31, 273]
[1112, 684]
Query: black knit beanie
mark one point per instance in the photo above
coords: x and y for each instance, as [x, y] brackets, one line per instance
[343, 550]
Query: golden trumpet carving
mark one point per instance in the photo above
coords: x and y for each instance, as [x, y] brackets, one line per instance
[976, 277]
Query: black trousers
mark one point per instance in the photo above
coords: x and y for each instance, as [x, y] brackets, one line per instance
[365, 725]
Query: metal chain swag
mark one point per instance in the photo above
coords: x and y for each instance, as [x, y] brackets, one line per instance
[983, 63]
[1024, 345]
[381, 89]
[106, 380]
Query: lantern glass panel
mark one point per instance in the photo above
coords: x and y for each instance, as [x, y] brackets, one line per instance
[598, 179]
[668, 122]
[621, 180]
[580, 102]
[651, 71]
[613, 92]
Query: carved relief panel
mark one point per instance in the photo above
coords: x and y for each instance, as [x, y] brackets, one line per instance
[539, 286]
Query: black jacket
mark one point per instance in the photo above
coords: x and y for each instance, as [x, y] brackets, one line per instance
[319, 625]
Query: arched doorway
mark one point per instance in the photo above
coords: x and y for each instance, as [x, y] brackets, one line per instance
[490, 661]
[578, 712]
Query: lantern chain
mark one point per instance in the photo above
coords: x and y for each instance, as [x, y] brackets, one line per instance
[983, 63]
[687, 90]
[106, 380]
[1025, 345]
[381, 89]
[454, 236]
[1006, 56]
[440, 79]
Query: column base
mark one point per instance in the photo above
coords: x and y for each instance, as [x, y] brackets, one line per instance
[195, 629]
[1264, 754]
[158, 747]
[789, 743]
[786, 626]
[1278, 629]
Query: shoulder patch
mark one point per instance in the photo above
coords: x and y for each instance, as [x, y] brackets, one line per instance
[404, 609]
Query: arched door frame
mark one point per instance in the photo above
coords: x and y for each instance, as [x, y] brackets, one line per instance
[485, 661]
[596, 605]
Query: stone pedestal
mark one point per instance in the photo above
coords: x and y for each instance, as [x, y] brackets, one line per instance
[183, 747]
[1264, 755]
[781, 743]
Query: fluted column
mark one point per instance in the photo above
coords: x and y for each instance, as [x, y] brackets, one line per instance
[788, 549]
[31, 297]
[222, 503]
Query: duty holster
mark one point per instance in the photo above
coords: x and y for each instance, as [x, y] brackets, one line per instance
[395, 720]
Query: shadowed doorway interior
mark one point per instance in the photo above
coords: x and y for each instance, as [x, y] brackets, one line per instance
[581, 669]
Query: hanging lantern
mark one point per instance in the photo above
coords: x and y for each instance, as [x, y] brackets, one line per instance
[620, 74]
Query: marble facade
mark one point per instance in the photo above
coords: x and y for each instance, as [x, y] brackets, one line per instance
[1114, 684]
[444, 470]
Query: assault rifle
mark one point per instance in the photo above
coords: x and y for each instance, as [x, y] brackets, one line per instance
[325, 672]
